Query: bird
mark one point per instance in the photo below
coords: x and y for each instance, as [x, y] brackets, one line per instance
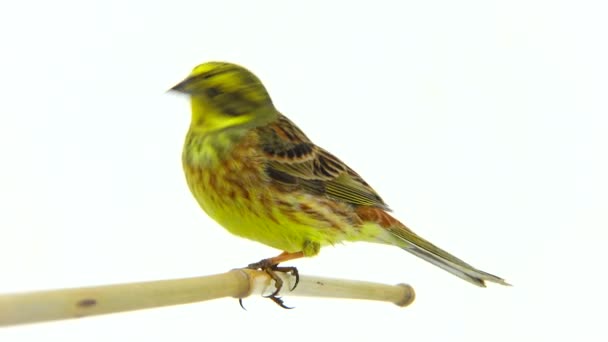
[258, 175]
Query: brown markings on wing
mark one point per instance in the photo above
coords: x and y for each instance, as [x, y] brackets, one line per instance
[294, 161]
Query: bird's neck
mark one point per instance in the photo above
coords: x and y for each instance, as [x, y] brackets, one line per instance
[213, 135]
[206, 119]
[207, 150]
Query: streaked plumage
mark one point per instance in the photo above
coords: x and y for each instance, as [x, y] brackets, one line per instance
[258, 175]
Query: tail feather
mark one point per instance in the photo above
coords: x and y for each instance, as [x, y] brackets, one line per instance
[425, 250]
[472, 275]
[413, 243]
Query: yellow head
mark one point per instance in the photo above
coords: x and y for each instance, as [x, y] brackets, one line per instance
[226, 95]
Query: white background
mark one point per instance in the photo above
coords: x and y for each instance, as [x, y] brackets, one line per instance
[482, 124]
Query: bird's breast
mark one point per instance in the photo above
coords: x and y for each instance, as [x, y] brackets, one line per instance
[221, 170]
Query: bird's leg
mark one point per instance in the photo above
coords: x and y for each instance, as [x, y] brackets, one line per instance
[271, 266]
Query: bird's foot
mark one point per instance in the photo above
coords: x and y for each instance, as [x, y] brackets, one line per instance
[270, 267]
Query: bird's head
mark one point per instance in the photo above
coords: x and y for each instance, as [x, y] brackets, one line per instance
[226, 95]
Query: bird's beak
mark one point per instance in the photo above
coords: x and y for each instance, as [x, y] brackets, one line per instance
[182, 87]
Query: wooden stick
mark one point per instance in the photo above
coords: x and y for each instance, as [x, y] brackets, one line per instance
[41, 306]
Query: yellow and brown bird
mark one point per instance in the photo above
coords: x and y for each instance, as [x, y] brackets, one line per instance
[257, 174]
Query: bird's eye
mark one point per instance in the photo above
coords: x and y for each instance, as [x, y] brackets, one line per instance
[212, 92]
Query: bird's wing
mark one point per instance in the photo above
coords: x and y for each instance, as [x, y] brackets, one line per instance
[293, 160]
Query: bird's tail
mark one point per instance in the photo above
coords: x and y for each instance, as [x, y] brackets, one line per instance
[413, 243]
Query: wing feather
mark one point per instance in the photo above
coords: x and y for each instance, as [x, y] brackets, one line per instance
[292, 159]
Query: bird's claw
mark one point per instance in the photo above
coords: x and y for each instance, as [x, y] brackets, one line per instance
[271, 269]
[279, 301]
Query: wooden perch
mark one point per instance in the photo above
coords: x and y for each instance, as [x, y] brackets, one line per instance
[41, 306]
